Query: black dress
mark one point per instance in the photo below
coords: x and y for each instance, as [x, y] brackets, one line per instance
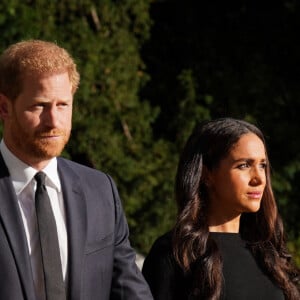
[243, 278]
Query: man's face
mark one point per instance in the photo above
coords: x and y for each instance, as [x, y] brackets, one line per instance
[37, 125]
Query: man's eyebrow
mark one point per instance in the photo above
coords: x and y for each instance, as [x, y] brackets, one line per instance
[46, 100]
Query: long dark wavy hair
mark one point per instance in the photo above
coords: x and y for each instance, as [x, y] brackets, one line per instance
[195, 252]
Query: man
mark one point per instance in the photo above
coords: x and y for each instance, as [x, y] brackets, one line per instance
[65, 237]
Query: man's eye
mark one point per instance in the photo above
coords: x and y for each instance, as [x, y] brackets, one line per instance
[38, 105]
[263, 165]
[243, 166]
[62, 104]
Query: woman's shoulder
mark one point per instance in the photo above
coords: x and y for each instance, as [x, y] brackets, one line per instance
[161, 251]
[164, 276]
[161, 254]
[163, 243]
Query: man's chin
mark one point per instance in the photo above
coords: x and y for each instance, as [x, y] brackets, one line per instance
[48, 152]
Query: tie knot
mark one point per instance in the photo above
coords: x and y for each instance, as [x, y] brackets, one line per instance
[40, 178]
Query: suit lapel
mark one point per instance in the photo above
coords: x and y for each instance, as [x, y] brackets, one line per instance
[76, 225]
[14, 228]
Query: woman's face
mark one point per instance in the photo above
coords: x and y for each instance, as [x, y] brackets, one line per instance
[237, 184]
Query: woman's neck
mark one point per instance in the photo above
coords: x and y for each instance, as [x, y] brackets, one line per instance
[223, 224]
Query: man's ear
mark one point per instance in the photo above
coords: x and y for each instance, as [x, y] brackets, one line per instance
[5, 107]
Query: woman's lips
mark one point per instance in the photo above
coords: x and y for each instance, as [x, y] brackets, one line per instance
[254, 195]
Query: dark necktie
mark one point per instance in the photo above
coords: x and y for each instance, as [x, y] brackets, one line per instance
[54, 284]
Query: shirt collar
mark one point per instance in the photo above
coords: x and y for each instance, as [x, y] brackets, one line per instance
[22, 174]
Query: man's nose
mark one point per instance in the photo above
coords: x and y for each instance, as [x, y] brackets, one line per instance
[50, 117]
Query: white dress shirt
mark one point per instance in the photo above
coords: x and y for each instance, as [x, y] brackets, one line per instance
[22, 177]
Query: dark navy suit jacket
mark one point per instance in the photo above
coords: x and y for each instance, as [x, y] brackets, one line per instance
[101, 263]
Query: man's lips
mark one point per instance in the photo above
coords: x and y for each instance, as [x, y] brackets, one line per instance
[52, 134]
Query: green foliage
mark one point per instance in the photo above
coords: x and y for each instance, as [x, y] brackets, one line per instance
[191, 107]
[294, 248]
[151, 70]
[112, 126]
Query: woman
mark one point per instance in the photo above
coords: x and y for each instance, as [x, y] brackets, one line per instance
[228, 241]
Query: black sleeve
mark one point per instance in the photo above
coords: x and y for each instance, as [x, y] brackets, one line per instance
[163, 275]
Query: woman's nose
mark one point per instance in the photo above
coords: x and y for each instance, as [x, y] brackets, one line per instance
[258, 176]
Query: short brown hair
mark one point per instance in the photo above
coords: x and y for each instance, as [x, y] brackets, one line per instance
[33, 57]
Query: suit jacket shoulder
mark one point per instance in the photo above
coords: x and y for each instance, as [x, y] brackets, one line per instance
[99, 237]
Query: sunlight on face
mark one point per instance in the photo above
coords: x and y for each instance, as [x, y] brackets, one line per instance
[40, 122]
[238, 183]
